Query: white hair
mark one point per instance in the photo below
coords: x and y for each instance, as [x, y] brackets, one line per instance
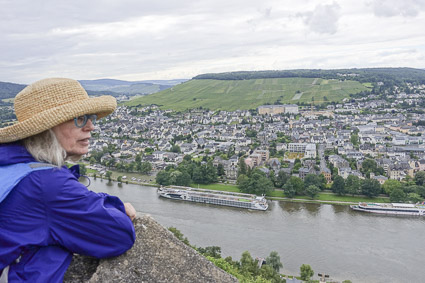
[45, 147]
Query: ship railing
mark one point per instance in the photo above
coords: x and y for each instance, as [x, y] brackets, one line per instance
[213, 191]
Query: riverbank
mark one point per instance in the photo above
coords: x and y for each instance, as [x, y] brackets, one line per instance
[322, 197]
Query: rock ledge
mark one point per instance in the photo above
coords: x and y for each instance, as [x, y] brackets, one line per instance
[157, 256]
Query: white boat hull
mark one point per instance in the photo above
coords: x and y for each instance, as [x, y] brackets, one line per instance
[217, 198]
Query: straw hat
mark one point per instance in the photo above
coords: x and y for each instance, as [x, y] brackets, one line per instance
[50, 102]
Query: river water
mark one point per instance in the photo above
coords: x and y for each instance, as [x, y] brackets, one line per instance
[333, 239]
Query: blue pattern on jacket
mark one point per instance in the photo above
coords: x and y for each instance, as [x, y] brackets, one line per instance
[49, 216]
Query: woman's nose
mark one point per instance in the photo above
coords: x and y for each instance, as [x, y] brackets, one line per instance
[89, 126]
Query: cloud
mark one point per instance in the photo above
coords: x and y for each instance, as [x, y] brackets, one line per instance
[141, 39]
[323, 19]
[392, 8]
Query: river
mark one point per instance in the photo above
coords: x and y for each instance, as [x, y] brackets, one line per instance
[333, 239]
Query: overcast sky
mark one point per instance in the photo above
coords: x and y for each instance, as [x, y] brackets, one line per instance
[141, 40]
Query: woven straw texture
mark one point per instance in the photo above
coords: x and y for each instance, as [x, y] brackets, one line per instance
[50, 102]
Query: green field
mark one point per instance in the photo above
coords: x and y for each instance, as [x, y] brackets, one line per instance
[324, 196]
[332, 197]
[218, 187]
[231, 95]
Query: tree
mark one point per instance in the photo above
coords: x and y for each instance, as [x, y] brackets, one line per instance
[220, 170]
[420, 178]
[197, 176]
[210, 173]
[369, 165]
[248, 264]
[397, 195]
[274, 261]
[414, 198]
[371, 187]
[145, 167]
[352, 185]
[138, 158]
[175, 148]
[315, 180]
[338, 186]
[312, 191]
[354, 139]
[183, 179]
[83, 170]
[242, 170]
[298, 185]
[212, 251]
[258, 183]
[289, 190]
[119, 179]
[421, 191]
[179, 235]
[163, 178]
[242, 182]
[390, 185]
[108, 175]
[306, 272]
[281, 179]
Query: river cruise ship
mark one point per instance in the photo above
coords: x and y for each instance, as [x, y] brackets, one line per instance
[214, 197]
[391, 208]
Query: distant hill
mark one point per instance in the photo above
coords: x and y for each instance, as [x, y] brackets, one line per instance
[126, 87]
[249, 94]
[9, 90]
[361, 75]
[248, 90]
[103, 87]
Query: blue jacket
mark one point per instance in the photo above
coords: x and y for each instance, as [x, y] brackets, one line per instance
[49, 216]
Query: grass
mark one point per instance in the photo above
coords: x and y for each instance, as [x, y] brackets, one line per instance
[276, 193]
[293, 155]
[231, 95]
[279, 194]
[115, 174]
[218, 187]
[332, 197]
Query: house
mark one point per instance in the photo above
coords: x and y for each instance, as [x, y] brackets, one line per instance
[309, 149]
[381, 179]
[326, 173]
[304, 171]
[274, 163]
[264, 154]
[398, 171]
[337, 161]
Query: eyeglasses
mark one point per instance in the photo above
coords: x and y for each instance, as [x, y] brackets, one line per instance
[81, 121]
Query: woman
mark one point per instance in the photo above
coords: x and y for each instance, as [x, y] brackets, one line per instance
[46, 215]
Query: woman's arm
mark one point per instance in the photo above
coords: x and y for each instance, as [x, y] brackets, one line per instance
[85, 222]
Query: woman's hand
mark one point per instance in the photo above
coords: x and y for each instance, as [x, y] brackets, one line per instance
[130, 211]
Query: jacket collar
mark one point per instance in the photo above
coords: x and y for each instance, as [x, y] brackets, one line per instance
[12, 153]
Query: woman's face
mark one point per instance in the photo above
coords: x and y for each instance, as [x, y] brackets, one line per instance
[74, 140]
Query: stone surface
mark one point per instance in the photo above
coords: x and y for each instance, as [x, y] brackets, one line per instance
[157, 256]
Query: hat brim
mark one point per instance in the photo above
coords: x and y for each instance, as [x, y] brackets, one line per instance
[102, 106]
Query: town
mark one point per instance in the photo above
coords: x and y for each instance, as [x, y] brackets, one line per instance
[361, 138]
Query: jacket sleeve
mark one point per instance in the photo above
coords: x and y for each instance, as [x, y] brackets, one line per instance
[83, 221]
